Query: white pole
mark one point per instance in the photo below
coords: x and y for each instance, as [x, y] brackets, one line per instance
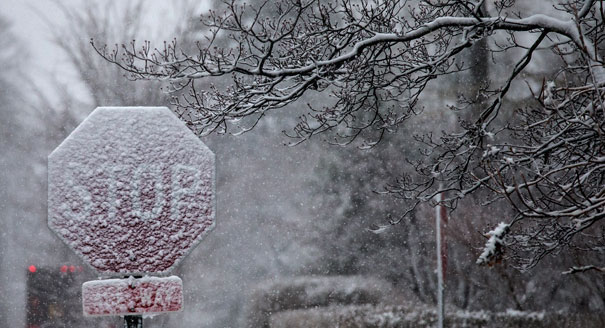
[440, 305]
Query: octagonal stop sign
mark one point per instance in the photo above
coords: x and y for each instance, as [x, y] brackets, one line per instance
[131, 190]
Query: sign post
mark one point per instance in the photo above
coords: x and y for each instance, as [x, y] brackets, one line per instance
[440, 223]
[131, 191]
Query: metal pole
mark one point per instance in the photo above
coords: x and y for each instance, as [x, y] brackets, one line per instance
[133, 321]
[440, 264]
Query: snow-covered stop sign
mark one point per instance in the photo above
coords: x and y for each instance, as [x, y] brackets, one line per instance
[131, 190]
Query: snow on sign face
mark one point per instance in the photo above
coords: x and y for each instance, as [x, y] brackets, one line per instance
[131, 190]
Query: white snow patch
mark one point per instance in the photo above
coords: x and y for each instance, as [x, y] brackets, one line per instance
[494, 244]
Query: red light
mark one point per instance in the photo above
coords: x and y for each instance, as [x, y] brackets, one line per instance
[32, 268]
[72, 268]
[64, 268]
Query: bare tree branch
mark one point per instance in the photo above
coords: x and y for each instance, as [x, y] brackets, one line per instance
[376, 60]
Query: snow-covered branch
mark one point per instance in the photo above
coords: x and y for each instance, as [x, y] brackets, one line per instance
[494, 247]
[376, 59]
[585, 268]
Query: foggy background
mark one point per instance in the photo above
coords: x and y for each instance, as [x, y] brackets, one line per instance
[283, 212]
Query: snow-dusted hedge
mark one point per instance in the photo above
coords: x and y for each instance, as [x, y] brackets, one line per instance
[371, 316]
[311, 292]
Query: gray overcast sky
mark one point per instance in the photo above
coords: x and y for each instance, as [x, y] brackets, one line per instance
[32, 31]
[44, 58]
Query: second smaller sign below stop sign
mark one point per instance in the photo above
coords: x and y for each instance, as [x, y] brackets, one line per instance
[131, 190]
[147, 295]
